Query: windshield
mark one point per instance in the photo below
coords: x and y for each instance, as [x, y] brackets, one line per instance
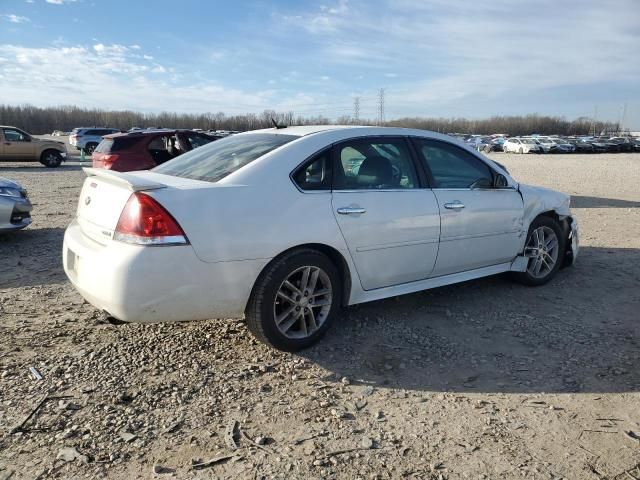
[216, 160]
[528, 141]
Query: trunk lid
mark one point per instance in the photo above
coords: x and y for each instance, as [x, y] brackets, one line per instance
[103, 197]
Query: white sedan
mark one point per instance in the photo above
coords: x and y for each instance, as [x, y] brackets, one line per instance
[285, 226]
[521, 145]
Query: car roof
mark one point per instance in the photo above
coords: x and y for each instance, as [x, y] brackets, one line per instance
[149, 133]
[365, 130]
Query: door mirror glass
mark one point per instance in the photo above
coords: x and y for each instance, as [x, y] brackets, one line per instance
[500, 181]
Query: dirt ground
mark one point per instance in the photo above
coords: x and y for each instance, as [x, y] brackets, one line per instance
[482, 380]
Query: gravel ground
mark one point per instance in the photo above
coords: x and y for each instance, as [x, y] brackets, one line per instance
[481, 380]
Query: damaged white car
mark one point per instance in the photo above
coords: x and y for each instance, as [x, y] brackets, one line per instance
[286, 225]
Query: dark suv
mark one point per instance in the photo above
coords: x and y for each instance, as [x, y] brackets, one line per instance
[145, 149]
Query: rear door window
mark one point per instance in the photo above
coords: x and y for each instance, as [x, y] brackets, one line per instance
[216, 160]
[376, 163]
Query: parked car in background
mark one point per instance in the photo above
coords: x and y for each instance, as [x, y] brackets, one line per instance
[521, 145]
[481, 144]
[563, 146]
[16, 144]
[636, 144]
[145, 149]
[15, 208]
[87, 139]
[497, 144]
[547, 145]
[216, 233]
[625, 143]
[581, 146]
[60, 133]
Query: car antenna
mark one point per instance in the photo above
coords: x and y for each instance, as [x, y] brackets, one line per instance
[275, 124]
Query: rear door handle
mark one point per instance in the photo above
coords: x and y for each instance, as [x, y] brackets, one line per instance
[455, 205]
[351, 210]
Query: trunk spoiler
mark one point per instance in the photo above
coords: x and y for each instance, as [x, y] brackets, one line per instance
[131, 181]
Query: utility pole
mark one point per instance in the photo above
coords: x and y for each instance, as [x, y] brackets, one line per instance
[356, 110]
[381, 120]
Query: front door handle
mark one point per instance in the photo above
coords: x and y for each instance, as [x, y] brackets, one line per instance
[351, 210]
[455, 205]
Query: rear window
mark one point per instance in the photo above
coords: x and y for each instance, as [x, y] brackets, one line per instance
[109, 145]
[216, 160]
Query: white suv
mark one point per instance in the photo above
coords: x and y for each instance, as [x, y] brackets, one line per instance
[87, 139]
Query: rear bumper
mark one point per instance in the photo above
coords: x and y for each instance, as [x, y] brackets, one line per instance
[155, 284]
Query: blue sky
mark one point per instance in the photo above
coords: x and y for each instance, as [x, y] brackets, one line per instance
[442, 58]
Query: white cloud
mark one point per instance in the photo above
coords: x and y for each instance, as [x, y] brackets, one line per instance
[324, 20]
[113, 49]
[110, 77]
[60, 2]
[449, 52]
[10, 17]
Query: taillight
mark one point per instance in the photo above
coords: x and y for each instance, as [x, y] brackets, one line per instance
[145, 222]
[108, 160]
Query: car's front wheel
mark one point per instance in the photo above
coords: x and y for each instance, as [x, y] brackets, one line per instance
[51, 158]
[294, 300]
[545, 250]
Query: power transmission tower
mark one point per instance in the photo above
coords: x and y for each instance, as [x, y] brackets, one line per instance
[594, 121]
[624, 120]
[381, 107]
[356, 110]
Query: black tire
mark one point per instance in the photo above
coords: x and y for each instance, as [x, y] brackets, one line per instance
[526, 277]
[521, 151]
[261, 308]
[90, 147]
[51, 158]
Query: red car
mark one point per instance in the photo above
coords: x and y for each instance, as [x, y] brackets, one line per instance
[145, 149]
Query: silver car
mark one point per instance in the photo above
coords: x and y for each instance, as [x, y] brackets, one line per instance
[15, 207]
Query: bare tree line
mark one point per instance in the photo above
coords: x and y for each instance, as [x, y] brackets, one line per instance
[39, 120]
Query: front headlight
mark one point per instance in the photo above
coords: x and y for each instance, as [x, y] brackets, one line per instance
[10, 192]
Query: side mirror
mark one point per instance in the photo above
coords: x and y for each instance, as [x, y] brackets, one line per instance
[500, 181]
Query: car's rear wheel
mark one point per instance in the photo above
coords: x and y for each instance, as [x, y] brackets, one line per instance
[545, 250]
[90, 147]
[294, 300]
[51, 158]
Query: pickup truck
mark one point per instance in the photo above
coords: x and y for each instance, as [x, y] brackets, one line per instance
[16, 144]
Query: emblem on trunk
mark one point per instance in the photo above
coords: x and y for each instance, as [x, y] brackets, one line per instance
[87, 200]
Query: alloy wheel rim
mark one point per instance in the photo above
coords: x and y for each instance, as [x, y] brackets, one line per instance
[303, 302]
[542, 250]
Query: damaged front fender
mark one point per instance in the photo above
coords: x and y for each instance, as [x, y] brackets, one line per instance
[539, 200]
